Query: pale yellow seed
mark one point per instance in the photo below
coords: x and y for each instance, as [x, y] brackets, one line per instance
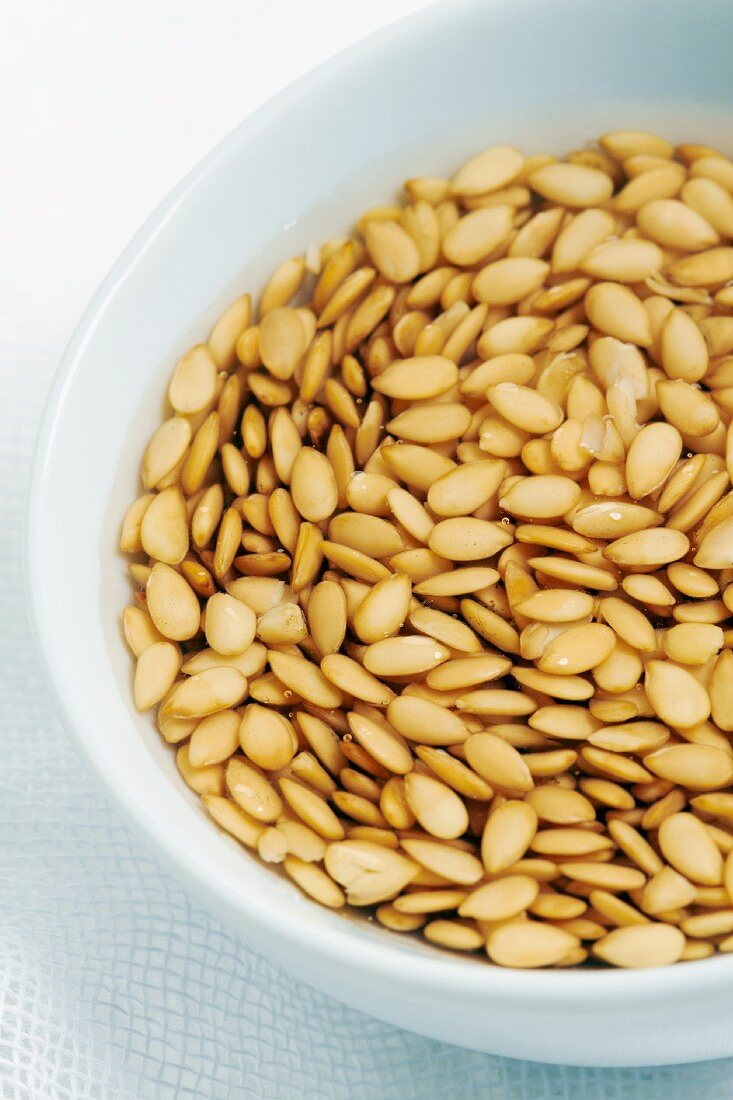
[675, 695]
[529, 944]
[641, 945]
[407, 655]
[193, 384]
[282, 342]
[327, 617]
[365, 533]
[465, 672]
[392, 250]
[172, 603]
[507, 281]
[645, 549]
[417, 379]
[666, 890]
[252, 791]
[465, 488]
[716, 548]
[350, 677]
[622, 144]
[500, 900]
[712, 202]
[312, 809]
[624, 260]
[313, 485]
[450, 863]
[545, 496]
[573, 185]
[651, 458]
[155, 672]
[314, 882]
[615, 310]
[215, 689]
[498, 762]
[164, 527]
[673, 224]
[426, 722]
[692, 643]
[368, 872]
[703, 269]
[487, 171]
[267, 737]
[437, 808]
[720, 690]
[305, 679]
[233, 819]
[215, 739]
[560, 805]
[682, 347]
[606, 876]
[431, 423]
[579, 237]
[577, 649]
[230, 624]
[468, 539]
[165, 450]
[139, 629]
[688, 847]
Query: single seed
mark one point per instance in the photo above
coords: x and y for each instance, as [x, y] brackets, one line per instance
[641, 945]
[529, 944]
[687, 845]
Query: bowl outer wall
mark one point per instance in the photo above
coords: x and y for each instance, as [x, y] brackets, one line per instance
[454, 62]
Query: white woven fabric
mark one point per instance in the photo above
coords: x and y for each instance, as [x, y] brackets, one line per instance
[113, 984]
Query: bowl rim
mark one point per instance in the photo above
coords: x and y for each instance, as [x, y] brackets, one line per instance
[438, 972]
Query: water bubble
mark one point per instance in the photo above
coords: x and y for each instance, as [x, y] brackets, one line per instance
[287, 694]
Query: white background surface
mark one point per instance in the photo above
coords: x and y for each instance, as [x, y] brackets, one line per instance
[113, 985]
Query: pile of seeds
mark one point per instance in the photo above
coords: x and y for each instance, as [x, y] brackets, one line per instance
[434, 560]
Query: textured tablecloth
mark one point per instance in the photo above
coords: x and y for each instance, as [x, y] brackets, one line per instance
[114, 985]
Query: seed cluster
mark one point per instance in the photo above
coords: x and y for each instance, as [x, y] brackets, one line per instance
[435, 569]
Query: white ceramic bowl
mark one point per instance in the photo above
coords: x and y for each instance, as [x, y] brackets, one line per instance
[416, 98]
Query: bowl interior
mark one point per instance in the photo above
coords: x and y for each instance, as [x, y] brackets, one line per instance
[332, 215]
[415, 100]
